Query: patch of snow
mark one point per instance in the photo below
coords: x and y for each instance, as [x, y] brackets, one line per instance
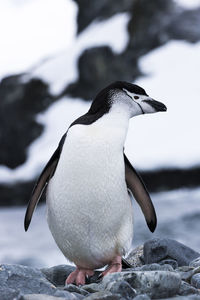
[170, 138]
[58, 72]
[56, 119]
[61, 70]
[33, 30]
[189, 4]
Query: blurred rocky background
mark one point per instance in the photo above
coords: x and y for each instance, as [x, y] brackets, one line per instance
[150, 24]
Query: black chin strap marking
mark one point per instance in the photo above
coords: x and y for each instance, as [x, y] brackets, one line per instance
[136, 103]
[140, 107]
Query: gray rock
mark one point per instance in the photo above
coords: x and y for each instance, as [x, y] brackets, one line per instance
[157, 249]
[195, 281]
[142, 297]
[92, 10]
[156, 267]
[104, 295]
[41, 297]
[155, 284]
[123, 288]
[190, 297]
[186, 276]
[135, 257]
[93, 287]
[75, 289]
[105, 66]
[9, 294]
[57, 274]
[171, 262]
[27, 280]
[20, 102]
[195, 263]
[186, 289]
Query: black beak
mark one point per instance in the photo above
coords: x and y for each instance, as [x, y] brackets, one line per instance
[158, 106]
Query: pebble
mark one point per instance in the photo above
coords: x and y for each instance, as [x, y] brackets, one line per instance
[135, 257]
[195, 263]
[171, 262]
[186, 289]
[142, 297]
[195, 281]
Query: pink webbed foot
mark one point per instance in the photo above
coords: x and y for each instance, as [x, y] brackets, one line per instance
[78, 276]
[114, 266]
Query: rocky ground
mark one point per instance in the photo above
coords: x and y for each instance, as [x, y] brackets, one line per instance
[159, 269]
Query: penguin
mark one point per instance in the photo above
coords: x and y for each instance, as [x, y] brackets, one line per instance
[90, 182]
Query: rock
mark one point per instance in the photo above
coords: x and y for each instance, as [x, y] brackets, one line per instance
[171, 262]
[9, 293]
[92, 10]
[57, 275]
[105, 67]
[156, 284]
[26, 280]
[93, 287]
[195, 280]
[123, 288]
[104, 295]
[187, 275]
[16, 193]
[20, 102]
[135, 257]
[142, 297]
[195, 263]
[157, 249]
[75, 289]
[41, 297]
[186, 289]
[156, 267]
[190, 297]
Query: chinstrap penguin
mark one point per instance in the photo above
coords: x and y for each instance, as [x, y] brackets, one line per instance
[89, 178]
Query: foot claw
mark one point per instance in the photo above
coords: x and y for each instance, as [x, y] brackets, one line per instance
[114, 266]
[78, 276]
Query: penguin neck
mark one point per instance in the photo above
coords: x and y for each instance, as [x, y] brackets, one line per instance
[115, 122]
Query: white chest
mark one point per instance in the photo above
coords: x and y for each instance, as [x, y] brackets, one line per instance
[87, 197]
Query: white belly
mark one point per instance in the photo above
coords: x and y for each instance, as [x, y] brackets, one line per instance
[89, 210]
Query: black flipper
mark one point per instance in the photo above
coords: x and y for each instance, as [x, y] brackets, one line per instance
[135, 184]
[42, 182]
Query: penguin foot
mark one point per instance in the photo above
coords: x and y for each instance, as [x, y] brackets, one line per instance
[78, 276]
[114, 266]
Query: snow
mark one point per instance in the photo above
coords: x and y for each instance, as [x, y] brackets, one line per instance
[171, 138]
[58, 72]
[33, 30]
[189, 4]
[56, 120]
[154, 141]
[62, 69]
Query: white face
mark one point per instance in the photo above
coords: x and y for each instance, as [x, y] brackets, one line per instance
[143, 104]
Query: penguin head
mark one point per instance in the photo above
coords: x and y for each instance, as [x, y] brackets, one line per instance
[131, 96]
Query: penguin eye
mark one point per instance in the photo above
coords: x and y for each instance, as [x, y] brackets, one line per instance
[136, 97]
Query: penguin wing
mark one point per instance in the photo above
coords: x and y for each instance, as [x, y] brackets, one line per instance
[42, 182]
[137, 187]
